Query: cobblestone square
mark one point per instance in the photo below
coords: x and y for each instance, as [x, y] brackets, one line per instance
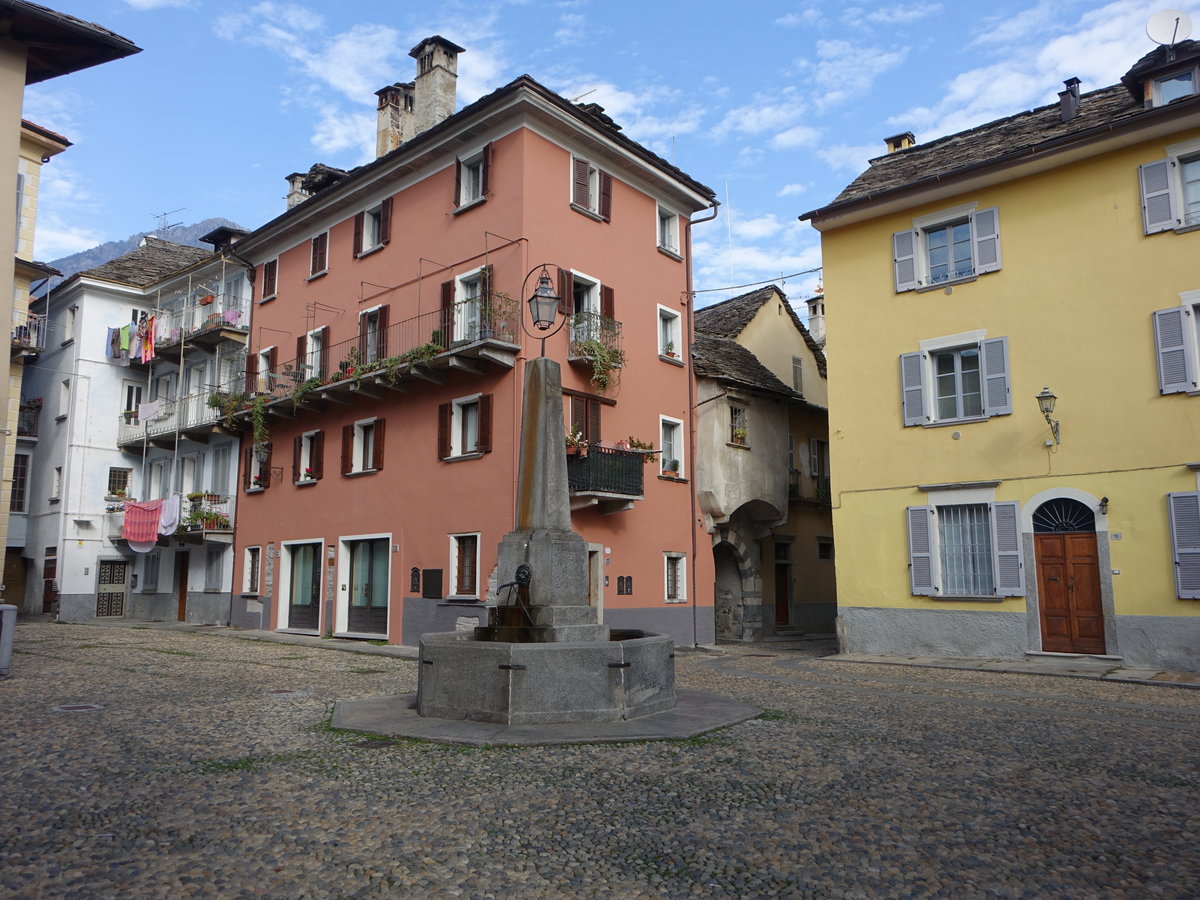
[209, 770]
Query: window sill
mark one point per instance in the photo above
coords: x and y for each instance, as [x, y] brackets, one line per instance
[678, 478]
[67, 342]
[305, 482]
[369, 250]
[478, 201]
[462, 457]
[735, 445]
[251, 594]
[676, 600]
[949, 282]
[359, 473]
[969, 598]
[1184, 229]
[263, 300]
[673, 360]
[667, 251]
[590, 213]
[461, 598]
[61, 418]
[254, 490]
[54, 499]
[945, 423]
[315, 275]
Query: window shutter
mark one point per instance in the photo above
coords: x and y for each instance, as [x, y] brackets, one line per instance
[1006, 545]
[385, 221]
[606, 302]
[920, 550]
[447, 319]
[381, 336]
[484, 444]
[301, 352]
[377, 444]
[1158, 204]
[485, 167]
[593, 421]
[247, 461]
[316, 456]
[486, 312]
[904, 260]
[270, 271]
[912, 387]
[580, 194]
[566, 291]
[265, 471]
[986, 231]
[578, 414]
[359, 220]
[997, 399]
[1175, 373]
[364, 333]
[324, 362]
[458, 167]
[273, 359]
[320, 245]
[251, 374]
[297, 450]
[443, 441]
[1184, 511]
[347, 449]
[605, 196]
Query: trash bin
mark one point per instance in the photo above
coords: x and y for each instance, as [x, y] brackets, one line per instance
[8, 623]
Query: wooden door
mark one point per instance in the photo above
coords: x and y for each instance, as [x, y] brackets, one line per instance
[1068, 568]
[181, 584]
[110, 591]
[783, 577]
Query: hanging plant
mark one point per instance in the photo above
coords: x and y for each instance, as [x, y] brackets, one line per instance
[258, 420]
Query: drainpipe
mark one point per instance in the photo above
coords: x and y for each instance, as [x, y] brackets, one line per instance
[689, 300]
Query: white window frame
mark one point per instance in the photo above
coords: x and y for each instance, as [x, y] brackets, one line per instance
[151, 570]
[669, 327]
[358, 446]
[1157, 95]
[371, 318]
[189, 473]
[918, 378]
[1161, 183]
[458, 409]
[284, 595]
[1177, 345]
[156, 483]
[262, 371]
[593, 204]
[312, 352]
[274, 269]
[257, 471]
[667, 233]
[798, 374]
[57, 487]
[306, 448]
[910, 248]
[252, 569]
[218, 476]
[1006, 557]
[588, 325]
[18, 500]
[470, 188]
[468, 307]
[372, 233]
[677, 424]
[452, 593]
[679, 559]
[64, 398]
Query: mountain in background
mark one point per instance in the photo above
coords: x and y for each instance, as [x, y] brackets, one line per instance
[110, 250]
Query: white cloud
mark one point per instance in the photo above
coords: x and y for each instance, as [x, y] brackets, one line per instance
[54, 107]
[761, 115]
[898, 15]
[847, 70]
[757, 228]
[338, 131]
[807, 16]
[572, 30]
[850, 159]
[156, 4]
[795, 138]
[64, 202]
[791, 190]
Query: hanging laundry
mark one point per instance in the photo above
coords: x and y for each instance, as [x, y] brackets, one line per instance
[112, 344]
[169, 517]
[148, 341]
[141, 521]
[126, 331]
[150, 410]
[142, 546]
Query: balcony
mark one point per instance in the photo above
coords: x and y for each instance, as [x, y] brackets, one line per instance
[28, 334]
[28, 415]
[192, 417]
[205, 320]
[206, 518]
[806, 490]
[607, 477]
[596, 343]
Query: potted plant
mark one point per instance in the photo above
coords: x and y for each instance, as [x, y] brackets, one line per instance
[206, 299]
[576, 442]
[669, 349]
[307, 475]
[670, 468]
[739, 435]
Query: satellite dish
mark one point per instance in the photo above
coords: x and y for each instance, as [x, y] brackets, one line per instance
[1169, 27]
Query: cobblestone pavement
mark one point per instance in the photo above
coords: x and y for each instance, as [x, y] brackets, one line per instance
[209, 770]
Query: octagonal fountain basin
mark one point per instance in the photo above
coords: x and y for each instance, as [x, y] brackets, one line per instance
[631, 675]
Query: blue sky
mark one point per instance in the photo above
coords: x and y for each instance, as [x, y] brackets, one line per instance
[776, 105]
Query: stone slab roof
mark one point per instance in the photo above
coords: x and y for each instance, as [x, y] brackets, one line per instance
[58, 43]
[153, 261]
[729, 317]
[726, 360]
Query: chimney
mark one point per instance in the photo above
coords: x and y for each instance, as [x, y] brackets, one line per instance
[296, 192]
[394, 117]
[1068, 100]
[434, 87]
[816, 316]
[901, 141]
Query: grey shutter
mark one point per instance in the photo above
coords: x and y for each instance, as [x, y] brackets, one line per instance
[920, 550]
[1158, 204]
[912, 388]
[1175, 373]
[997, 399]
[985, 228]
[904, 260]
[1006, 547]
[580, 186]
[1184, 510]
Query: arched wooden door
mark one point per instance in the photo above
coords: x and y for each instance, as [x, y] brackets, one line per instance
[1068, 571]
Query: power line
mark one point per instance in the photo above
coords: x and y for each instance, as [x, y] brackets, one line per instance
[734, 287]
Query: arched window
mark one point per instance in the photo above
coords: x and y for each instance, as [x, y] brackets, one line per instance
[1063, 514]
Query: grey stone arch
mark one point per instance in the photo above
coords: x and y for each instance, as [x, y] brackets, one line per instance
[737, 554]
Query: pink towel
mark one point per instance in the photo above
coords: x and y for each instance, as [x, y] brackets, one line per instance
[141, 520]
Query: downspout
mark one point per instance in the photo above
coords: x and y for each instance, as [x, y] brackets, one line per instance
[689, 301]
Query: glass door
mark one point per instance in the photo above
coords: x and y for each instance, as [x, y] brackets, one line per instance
[368, 586]
[305, 602]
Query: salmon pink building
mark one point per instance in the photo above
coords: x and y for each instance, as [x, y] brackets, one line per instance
[385, 370]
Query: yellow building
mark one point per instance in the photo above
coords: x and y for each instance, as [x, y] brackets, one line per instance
[1054, 252]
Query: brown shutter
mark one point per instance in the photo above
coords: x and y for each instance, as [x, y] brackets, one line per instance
[265, 471]
[593, 424]
[447, 318]
[484, 444]
[270, 270]
[580, 193]
[578, 414]
[301, 352]
[273, 359]
[316, 456]
[385, 220]
[364, 333]
[359, 221]
[485, 298]
[347, 449]
[297, 449]
[458, 167]
[381, 339]
[605, 196]
[606, 302]
[486, 167]
[247, 461]
[324, 351]
[251, 373]
[377, 447]
[443, 441]
[566, 291]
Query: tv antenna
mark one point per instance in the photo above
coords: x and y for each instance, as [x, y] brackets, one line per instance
[163, 225]
[1169, 27]
[584, 94]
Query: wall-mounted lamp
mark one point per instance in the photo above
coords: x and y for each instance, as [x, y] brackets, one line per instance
[1104, 506]
[1046, 400]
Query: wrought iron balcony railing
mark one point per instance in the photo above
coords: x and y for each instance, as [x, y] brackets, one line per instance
[27, 418]
[28, 332]
[607, 470]
[206, 314]
[191, 413]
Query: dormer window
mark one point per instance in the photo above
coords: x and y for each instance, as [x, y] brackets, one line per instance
[1173, 86]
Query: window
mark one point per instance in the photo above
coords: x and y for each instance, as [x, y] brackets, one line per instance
[818, 467]
[965, 550]
[464, 563]
[259, 369]
[256, 468]
[250, 570]
[270, 278]
[319, 259]
[465, 426]
[824, 548]
[945, 247]
[118, 482]
[1184, 509]
[668, 231]
[312, 353]
[188, 473]
[955, 379]
[675, 577]
[584, 415]
[150, 572]
[56, 488]
[671, 433]
[19, 498]
[218, 479]
[64, 398]
[373, 228]
[472, 174]
[1173, 86]
[1171, 189]
[591, 189]
[1177, 345]
[472, 291]
[738, 432]
[668, 333]
[362, 447]
[590, 306]
[308, 457]
[797, 374]
[72, 323]
[132, 394]
[214, 568]
[372, 334]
